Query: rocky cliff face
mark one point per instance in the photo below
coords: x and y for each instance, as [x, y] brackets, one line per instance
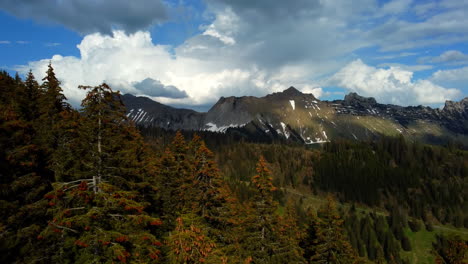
[146, 112]
[300, 117]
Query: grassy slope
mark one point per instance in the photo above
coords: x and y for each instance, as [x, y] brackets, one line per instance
[421, 241]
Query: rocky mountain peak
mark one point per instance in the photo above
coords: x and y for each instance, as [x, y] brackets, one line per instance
[292, 91]
[456, 107]
[357, 100]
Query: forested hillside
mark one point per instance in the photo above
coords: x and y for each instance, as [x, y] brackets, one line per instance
[84, 186]
[397, 196]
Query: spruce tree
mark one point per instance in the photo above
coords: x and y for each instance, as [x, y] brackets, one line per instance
[99, 213]
[23, 180]
[32, 94]
[189, 243]
[331, 244]
[212, 198]
[175, 170]
[261, 241]
[290, 235]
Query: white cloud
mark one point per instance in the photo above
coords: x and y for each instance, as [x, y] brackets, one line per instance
[393, 85]
[316, 91]
[224, 27]
[451, 57]
[413, 68]
[5, 42]
[264, 46]
[123, 60]
[454, 77]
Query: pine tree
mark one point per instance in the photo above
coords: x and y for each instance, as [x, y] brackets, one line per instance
[22, 178]
[32, 94]
[175, 170]
[212, 198]
[100, 213]
[261, 241]
[51, 105]
[450, 250]
[53, 99]
[290, 235]
[331, 245]
[189, 243]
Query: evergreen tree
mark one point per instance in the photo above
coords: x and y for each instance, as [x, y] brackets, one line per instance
[23, 180]
[102, 227]
[450, 250]
[189, 243]
[53, 100]
[213, 200]
[100, 213]
[175, 180]
[32, 94]
[309, 241]
[290, 235]
[261, 242]
[331, 244]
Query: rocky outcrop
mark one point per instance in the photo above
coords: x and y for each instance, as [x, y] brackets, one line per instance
[457, 108]
[353, 99]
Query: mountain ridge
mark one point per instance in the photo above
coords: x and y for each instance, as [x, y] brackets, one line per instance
[297, 116]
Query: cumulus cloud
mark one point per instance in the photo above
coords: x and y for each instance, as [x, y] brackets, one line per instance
[89, 16]
[155, 88]
[454, 77]
[451, 57]
[316, 91]
[254, 47]
[124, 60]
[393, 85]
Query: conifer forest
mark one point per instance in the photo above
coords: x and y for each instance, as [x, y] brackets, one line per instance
[86, 185]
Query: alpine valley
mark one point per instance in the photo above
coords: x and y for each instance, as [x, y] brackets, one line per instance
[285, 178]
[298, 117]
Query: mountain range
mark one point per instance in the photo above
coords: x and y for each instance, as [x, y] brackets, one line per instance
[295, 116]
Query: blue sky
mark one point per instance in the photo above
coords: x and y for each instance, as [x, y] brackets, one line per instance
[189, 53]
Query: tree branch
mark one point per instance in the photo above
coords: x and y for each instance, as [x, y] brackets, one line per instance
[63, 227]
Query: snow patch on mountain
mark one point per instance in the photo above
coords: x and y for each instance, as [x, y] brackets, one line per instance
[222, 129]
[285, 132]
[293, 104]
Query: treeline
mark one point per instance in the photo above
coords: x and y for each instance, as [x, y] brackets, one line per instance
[82, 186]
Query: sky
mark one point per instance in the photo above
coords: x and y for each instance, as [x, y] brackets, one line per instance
[188, 53]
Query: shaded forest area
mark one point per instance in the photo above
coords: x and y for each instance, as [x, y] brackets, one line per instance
[84, 186]
[428, 182]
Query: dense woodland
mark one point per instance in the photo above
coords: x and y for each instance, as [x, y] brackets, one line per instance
[86, 186]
